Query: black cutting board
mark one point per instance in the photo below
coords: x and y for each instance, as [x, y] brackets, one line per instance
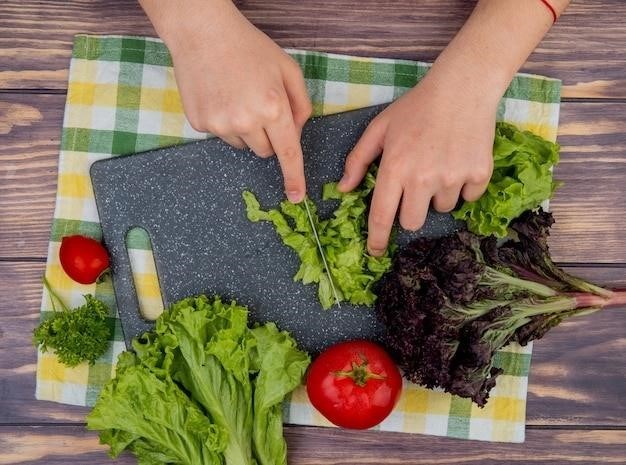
[188, 199]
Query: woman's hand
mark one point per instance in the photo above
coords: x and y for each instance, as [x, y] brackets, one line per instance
[437, 140]
[235, 82]
[436, 144]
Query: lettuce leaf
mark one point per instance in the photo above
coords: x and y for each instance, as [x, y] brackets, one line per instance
[280, 366]
[212, 351]
[343, 238]
[521, 180]
[214, 385]
[137, 408]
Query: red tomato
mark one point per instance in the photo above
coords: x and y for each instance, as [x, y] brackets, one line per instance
[354, 384]
[83, 258]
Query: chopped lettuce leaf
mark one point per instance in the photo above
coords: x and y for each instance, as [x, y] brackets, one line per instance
[343, 238]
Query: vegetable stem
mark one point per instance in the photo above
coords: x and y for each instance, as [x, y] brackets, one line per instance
[360, 373]
[529, 275]
[54, 295]
[557, 304]
[618, 298]
[569, 301]
[593, 288]
[493, 276]
[614, 299]
[563, 277]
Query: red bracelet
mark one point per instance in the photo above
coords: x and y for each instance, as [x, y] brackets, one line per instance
[552, 10]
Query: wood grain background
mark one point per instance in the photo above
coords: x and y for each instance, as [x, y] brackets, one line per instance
[576, 412]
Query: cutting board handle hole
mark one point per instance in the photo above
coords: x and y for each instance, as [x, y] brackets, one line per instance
[145, 277]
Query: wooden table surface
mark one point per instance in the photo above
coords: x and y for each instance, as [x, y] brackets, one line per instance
[576, 409]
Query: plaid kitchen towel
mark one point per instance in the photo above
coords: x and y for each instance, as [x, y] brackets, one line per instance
[122, 98]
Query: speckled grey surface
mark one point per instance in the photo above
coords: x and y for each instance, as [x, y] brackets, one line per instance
[188, 198]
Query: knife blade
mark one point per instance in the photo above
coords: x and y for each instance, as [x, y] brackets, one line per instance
[319, 246]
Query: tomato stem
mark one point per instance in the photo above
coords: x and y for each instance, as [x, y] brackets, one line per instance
[106, 272]
[54, 295]
[360, 373]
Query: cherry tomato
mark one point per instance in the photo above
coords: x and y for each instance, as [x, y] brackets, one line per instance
[354, 384]
[83, 258]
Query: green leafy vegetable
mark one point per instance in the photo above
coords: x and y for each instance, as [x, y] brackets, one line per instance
[76, 335]
[223, 382]
[450, 303]
[343, 238]
[150, 415]
[280, 366]
[521, 180]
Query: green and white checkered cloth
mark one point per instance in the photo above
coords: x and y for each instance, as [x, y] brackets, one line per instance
[122, 98]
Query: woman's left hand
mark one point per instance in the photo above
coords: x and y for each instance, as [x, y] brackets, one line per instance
[436, 144]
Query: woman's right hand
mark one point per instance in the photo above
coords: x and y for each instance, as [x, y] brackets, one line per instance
[235, 82]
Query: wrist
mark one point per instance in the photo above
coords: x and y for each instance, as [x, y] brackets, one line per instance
[182, 24]
[467, 80]
[494, 43]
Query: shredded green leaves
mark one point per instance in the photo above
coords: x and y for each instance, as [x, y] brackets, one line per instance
[343, 238]
[521, 180]
[75, 335]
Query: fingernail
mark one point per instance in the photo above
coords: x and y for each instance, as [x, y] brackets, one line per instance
[376, 252]
[343, 182]
[294, 196]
